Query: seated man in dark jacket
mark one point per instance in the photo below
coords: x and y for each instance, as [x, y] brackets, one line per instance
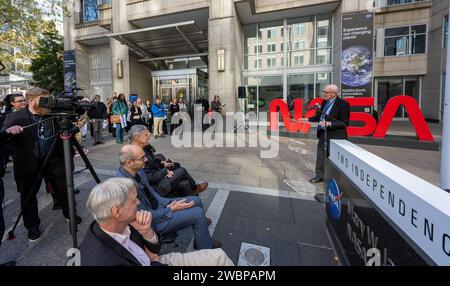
[169, 215]
[122, 236]
[166, 182]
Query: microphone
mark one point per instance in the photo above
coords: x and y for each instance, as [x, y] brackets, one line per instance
[315, 106]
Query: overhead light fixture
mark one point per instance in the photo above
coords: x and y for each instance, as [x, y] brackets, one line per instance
[119, 68]
[221, 60]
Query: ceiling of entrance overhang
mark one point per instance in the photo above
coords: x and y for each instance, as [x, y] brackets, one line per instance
[169, 35]
[246, 11]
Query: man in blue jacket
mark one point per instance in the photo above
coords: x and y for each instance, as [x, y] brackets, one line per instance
[169, 214]
[159, 114]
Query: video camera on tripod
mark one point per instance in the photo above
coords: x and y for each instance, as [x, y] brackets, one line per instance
[61, 103]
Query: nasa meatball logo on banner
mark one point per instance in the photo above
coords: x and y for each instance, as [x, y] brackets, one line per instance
[334, 198]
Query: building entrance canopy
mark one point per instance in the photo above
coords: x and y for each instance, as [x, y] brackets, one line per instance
[159, 43]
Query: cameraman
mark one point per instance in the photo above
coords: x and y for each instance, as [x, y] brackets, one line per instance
[30, 149]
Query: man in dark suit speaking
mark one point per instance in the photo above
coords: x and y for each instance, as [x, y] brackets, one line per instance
[334, 116]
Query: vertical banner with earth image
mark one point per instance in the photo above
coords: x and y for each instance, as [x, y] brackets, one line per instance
[70, 74]
[357, 54]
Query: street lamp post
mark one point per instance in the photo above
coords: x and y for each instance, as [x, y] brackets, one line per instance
[445, 154]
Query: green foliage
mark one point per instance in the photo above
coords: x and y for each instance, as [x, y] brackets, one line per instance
[48, 64]
[21, 25]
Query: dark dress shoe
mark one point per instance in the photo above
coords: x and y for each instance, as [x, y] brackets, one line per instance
[216, 244]
[57, 206]
[316, 179]
[200, 188]
[168, 237]
[9, 263]
[78, 219]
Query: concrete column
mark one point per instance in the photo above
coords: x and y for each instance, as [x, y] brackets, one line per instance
[140, 79]
[445, 153]
[225, 32]
[119, 51]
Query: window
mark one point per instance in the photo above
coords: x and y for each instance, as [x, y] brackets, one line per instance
[299, 60]
[323, 57]
[258, 63]
[299, 29]
[323, 31]
[300, 86]
[271, 62]
[375, 32]
[445, 32]
[322, 77]
[90, 10]
[408, 40]
[389, 87]
[307, 38]
[271, 48]
[258, 49]
[271, 33]
[395, 46]
[399, 2]
[299, 45]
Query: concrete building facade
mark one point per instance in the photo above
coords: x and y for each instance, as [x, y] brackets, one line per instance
[279, 49]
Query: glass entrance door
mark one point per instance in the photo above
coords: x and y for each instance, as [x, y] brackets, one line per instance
[168, 92]
[166, 95]
[187, 84]
[182, 92]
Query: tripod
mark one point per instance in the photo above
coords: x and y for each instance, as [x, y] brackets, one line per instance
[65, 133]
[243, 124]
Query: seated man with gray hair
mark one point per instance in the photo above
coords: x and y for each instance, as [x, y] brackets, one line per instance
[122, 236]
[169, 214]
[166, 182]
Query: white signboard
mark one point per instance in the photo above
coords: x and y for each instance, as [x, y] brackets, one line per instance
[421, 210]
